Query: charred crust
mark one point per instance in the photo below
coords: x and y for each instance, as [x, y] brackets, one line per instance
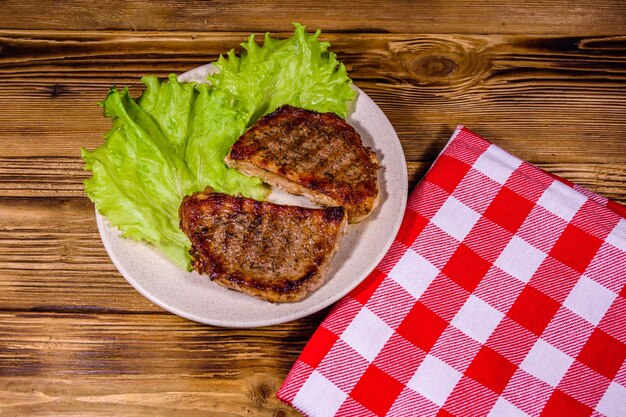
[240, 151]
[282, 287]
[282, 170]
[236, 278]
[235, 154]
[334, 214]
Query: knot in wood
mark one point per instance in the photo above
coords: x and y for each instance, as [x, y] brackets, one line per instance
[55, 90]
[435, 66]
[259, 391]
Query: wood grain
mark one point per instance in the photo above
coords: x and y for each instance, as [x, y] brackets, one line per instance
[374, 16]
[545, 99]
[53, 363]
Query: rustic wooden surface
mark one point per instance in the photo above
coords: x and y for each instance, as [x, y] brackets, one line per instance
[545, 80]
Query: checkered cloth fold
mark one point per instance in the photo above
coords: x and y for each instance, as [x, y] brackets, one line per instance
[503, 295]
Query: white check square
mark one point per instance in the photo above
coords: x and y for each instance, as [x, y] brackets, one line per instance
[503, 408]
[367, 334]
[561, 200]
[617, 237]
[477, 319]
[589, 300]
[546, 363]
[455, 218]
[613, 403]
[520, 259]
[434, 379]
[497, 164]
[413, 273]
[319, 396]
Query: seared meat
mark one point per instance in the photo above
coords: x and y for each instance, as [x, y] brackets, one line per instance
[318, 155]
[278, 253]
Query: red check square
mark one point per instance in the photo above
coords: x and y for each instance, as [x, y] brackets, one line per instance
[470, 398]
[617, 208]
[584, 384]
[399, 358]
[561, 404]
[412, 225]
[500, 340]
[466, 268]
[376, 390]
[603, 353]
[533, 310]
[447, 173]
[422, 327]
[444, 297]
[488, 249]
[322, 341]
[509, 210]
[491, 369]
[576, 248]
[365, 289]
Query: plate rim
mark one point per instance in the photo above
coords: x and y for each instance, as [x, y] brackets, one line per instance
[102, 223]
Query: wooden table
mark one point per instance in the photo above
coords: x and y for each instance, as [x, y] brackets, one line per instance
[547, 83]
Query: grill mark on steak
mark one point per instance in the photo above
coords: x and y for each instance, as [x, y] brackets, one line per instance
[278, 253]
[265, 256]
[298, 149]
[310, 153]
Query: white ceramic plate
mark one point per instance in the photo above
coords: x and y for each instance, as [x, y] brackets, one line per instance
[195, 297]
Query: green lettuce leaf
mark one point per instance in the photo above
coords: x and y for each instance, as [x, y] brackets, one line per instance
[299, 71]
[137, 181]
[172, 140]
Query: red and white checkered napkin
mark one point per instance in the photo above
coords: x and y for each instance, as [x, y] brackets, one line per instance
[502, 295]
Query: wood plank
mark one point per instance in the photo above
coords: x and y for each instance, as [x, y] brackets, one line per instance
[42, 177]
[143, 364]
[52, 259]
[546, 99]
[381, 16]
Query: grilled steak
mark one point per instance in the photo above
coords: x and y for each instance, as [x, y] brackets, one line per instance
[318, 155]
[278, 253]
